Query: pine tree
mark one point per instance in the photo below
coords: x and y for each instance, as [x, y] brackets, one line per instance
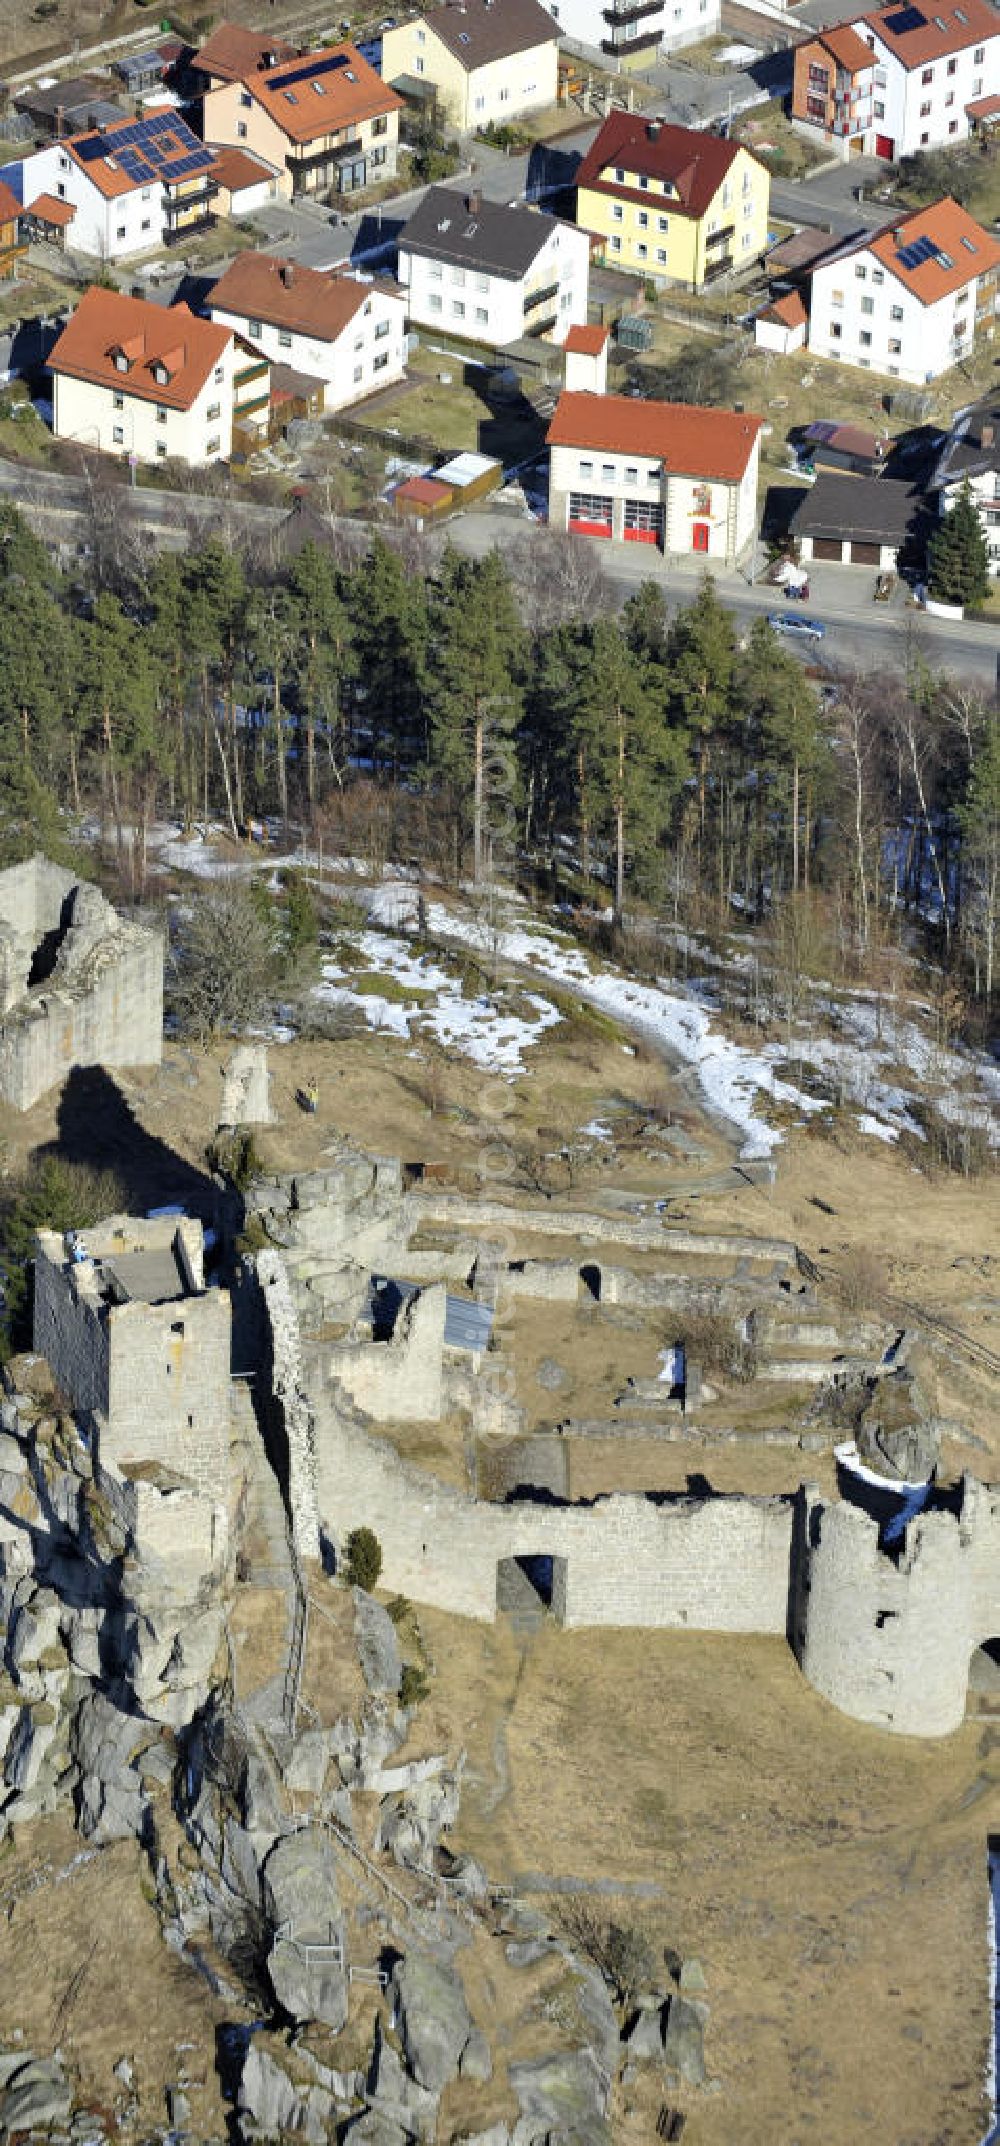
[475, 693]
[958, 566]
[388, 610]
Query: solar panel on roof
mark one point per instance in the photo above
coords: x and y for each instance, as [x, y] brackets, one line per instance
[330, 65]
[920, 250]
[908, 18]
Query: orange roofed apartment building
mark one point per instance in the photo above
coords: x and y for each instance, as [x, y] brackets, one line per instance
[676, 477]
[325, 121]
[901, 79]
[149, 382]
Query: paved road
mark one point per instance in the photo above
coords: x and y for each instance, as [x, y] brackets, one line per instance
[859, 634]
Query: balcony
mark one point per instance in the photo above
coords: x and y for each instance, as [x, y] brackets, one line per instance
[176, 205]
[647, 41]
[540, 298]
[720, 238]
[631, 11]
[333, 152]
[541, 327]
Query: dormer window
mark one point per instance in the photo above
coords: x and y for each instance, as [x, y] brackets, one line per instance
[121, 362]
[290, 97]
[160, 373]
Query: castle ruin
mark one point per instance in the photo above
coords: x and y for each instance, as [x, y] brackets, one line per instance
[79, 986]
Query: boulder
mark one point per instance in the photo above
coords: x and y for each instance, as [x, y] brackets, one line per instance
[397, 2095]
[34, 1630]
[35, 1733]
[35, 2097]
[305, 1769]
[103, 1738]
[434, 2020]
[411, 1825]
[683, 2049]
[551, 1376]
[377, 1644]
[270, 2105]
[306, 1960]
[373, 2128]
[562, 2094]
[111, 1810]
[300, 1880]
[691, 1980]
[309, 1979]
[644, 2039]
[598, 2015]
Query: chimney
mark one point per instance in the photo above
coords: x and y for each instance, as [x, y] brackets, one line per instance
[60, 121]
[287, 274]
[475, 201]
[652, 129]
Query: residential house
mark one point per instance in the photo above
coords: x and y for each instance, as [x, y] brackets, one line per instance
[858, 521]
[345, 331]
[488, 273]
[971, 456]
[148, 381]
[490, 61]
[134, 187]
[671, 204]
[907, 300]
[232, 54]
[325, 119]
[678, 478]
[629, 32]
[925, 69]
[12, 244]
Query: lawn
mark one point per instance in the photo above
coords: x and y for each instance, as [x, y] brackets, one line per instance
[453, 412]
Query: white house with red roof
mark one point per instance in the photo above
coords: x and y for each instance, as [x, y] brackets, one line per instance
[910, 299]
[898, 80]
[669, 475]
[134, 379]
[133, 187]
[346, 334]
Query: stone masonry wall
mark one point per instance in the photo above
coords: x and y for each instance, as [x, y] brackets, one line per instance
[69, 1331]
[102, 1004]
[889, 1640]
[168, 1394]
[720, 1564]
[397, 1381]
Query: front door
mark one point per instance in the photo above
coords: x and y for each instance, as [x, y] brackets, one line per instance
[699, 536]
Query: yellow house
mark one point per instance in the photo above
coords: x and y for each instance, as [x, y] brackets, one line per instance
[487, 61]
[671, 204]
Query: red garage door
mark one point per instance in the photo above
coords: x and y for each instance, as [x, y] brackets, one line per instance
[589, 514]
[643, 522]
[884, 146]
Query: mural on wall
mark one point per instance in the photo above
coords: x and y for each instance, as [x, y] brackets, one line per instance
[701, 499]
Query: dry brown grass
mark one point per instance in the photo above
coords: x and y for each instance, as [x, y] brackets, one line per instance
[831, 1879]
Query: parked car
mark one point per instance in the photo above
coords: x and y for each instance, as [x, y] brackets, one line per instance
[809, 629]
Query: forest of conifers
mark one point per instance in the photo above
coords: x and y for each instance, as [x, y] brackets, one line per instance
[505, 713]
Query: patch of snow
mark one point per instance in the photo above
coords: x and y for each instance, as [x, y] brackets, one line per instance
[596, 1130]
[478, 1028]
[877, 1129]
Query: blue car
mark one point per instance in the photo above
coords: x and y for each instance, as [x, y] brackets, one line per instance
[790, 622]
